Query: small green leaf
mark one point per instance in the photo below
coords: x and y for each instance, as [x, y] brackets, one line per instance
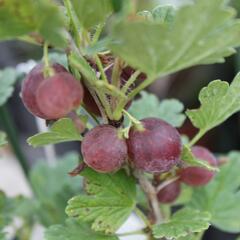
[159, 49]
[182, 223]
[92, 12]
[111, 199]
[53, 187]
[73, 230]
[148, 105]
[8, 77]
[218, 102]
[221, 196]
[3, 140]
[188, 157]
[63, 130]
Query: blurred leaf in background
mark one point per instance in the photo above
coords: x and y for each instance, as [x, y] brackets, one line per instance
[170, 110]
[53, 187]
[8, 77]
[3, 137]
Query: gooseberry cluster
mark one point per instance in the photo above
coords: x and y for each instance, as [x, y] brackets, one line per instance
[152, 146]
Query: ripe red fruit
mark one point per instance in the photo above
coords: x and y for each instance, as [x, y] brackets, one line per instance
[157, 148]
[52, 97]
[103, 149]
[198, 176]
[30, 86]
[169, 193]
[58, 95]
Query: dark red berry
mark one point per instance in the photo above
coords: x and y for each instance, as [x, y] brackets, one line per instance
[155, 149]
[103, 149]
[30, 86]
[52, 97]
[169, 193]
[198, 176]
[59, 95]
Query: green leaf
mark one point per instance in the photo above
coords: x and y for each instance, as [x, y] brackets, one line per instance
[92, 12]
[221, 196]
[20, 18]
[218, 102]
[53, 187]
[63, 130]
[201, 33]
[170, 110]
[188, 157]
[110, 200]
[8, 77]
[182, 223]
[3, 140]
[73, 230]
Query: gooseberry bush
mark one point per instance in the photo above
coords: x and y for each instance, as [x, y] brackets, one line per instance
[132, 158]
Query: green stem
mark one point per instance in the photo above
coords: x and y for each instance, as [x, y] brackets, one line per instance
[130, 81]
[135, 122]
[196, 138]
[100, 68]
[48, 71]
[139, 88]
[116, 73]
[97, 33]
[11, 131]
[142, 216]
[74, 21]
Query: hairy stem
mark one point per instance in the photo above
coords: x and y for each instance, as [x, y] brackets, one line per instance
[130, 81]
[97, 33]
[74, 21]
[139, 88]
[101, 69]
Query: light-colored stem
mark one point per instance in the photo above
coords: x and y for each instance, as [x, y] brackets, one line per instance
[166, 183]
[151, 194]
